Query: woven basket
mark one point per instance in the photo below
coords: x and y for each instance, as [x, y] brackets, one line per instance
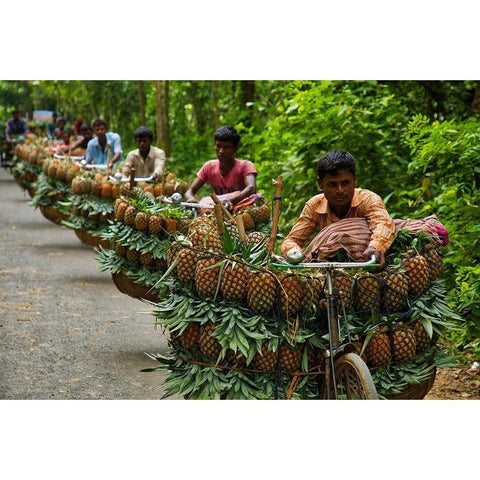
[88, 239]
[52, 214]
[416, 391]
[136, 290]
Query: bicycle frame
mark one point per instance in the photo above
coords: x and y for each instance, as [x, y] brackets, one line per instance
[337, 348]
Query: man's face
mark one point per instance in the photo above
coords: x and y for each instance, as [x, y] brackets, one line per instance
[100, 130]
[143, 143]
[339, 189]
[225, 151]
[16, 115]
[87, 133]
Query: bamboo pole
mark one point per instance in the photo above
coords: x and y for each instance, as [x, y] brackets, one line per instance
[224, 210]
[164, 180]
[109, 156]
[276, 211]
[132, 178]
[241, 227]
[217, 209]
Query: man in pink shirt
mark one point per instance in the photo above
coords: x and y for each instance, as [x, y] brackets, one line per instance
[228, 176]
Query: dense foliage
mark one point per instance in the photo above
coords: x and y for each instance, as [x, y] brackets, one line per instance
[416, 144]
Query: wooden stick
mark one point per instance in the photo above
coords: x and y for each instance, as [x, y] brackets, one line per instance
[224, 210]
[132, 178]
[109, 156]
[217, 209]
[165, 173]
[276, 212]
[241, 228]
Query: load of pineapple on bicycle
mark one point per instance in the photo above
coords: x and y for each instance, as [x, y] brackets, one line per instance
[216, 270]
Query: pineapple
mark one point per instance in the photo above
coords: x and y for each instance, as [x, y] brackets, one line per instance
[235, 358]
[234, 281]
[312, 292]
[206, 278]
[186, 263]
[290, 294]
[248, 221]
[404, 345]
[396, 289]
[182, 225]
[423, 340]
[417, 272]
[208, 345]
[155, 224]
[262, 292]
[344, 284]
[367, 292]
[121, 209]
[434, 261]
[289, 358]
[189, 336]
[133, 255]
[96, 188]
[170, 225]
[172, 253]
[130, 214]
[256, 237]
[119, 249]
[260, 214]
[358, 350]
[145, 259]
[378, 351]
[206, 239]
[106, 191]
[266, 361]
[141, 221]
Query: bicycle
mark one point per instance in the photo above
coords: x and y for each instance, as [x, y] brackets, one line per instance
[346, 375]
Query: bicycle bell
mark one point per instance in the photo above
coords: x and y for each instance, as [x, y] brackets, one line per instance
[176, 198]
[294, 256]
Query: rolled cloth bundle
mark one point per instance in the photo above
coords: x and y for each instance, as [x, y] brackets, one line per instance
[353, 236]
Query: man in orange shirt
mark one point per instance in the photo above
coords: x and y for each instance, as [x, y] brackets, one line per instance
[336, 176]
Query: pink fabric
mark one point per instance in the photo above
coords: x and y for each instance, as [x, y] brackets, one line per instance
[429, 225]
[235, 180]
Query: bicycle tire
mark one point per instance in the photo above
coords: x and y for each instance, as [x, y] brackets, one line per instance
[353, 379]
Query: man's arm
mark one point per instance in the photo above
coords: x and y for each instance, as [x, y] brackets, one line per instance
[382, 227]
[116, 149]
[159, 165]
[194, 188]
[250, 189]
[303, 229]
[127, 165]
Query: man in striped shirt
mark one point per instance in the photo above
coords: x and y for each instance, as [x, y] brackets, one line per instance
[336, 176]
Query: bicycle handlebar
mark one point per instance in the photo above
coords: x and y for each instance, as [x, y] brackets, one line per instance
[369, 264]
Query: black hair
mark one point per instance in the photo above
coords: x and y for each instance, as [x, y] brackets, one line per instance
[54, 114]
[85, 126]
[100, 121]
[227, 134]
[331, 162]
[142, 132]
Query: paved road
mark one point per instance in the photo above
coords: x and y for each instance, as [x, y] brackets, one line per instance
[66, 331]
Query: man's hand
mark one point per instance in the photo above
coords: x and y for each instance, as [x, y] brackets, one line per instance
[294, 256]
[380, 257]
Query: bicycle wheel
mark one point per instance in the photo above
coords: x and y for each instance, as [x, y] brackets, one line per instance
[353, 379]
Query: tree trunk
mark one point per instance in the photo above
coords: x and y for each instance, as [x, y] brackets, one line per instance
[248, 95]
[165, 122]
[141, 96]
[163, 127]
[215, 103]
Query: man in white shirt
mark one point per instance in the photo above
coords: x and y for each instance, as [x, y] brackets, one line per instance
[146, 159]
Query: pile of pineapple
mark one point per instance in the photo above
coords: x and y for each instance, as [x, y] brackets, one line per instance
[255, 331]
[142, 232]
[28, 161]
